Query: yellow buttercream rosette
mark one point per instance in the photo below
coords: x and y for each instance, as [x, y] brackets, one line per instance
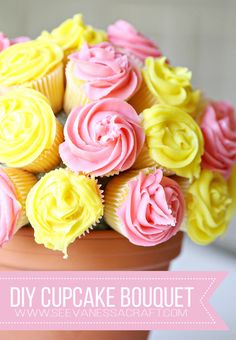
[72, 34]
[208, 204]
[29, 132]
[35, 64]
[173, 139]
[62, 206]
[166, 84]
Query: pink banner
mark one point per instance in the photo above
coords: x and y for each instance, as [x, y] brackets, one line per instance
[109, 300]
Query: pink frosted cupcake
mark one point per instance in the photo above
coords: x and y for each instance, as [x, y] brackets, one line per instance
[19, 40]
[123, 35]
[102, 138]
[145, 207]
[4, 42]
[14, 187]
[98, 72]
[218, 124]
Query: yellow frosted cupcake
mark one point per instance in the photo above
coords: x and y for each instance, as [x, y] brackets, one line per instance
[29, 132]
[72, 33]
[62, 206]
[232, 191]
[165, 84]
[173, 139]
[14, 187]
[208, 208]
[37, 65]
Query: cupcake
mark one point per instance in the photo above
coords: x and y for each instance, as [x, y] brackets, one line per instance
[61, 207]
[102, 138]
[99, 72]
[173, 140]
[37, 65]
[4, 42]
[71, 35]
[208, 207]
[145, 161]
[29, 132]
[19, 40]
[14, 187]
[218, 125]
[232, 191]
[145, 207]
[123, 35]
[166, 84]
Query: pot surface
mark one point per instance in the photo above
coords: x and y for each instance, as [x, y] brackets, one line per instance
[99, 250]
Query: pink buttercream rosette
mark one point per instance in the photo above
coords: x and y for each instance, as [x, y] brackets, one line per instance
[19, 40]
[122, 34]
[4, 42]
[102, 138]
[218, 125]
[106, 72]
[10, 209]
[147, 208]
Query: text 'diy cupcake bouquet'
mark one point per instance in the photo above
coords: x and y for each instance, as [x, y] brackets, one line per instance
[100, 130]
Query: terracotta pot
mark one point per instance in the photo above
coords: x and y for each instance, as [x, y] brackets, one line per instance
[99, 250]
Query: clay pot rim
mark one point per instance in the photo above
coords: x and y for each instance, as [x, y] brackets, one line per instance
[94, 235]
[27, 231]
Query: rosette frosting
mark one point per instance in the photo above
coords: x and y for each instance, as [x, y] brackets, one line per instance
[72, 33]
[147, 208]
[105, 71]
[62, 206]
[4, 42]
[218, 124]
[10, 208]
[102, 137]
[27, 127]
[170, 85]
[25, 62]
[19, 40]
[174, 139]
[125, 36]
[208, 207]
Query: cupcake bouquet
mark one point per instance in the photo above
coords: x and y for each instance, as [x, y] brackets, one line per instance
[99, 130]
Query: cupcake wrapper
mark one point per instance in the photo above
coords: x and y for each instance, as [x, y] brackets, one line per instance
[115, 193]
[74, 96]
[184, 184]
[145, 161]
[52, 86]
[23, 181]
[66, 55]
[203, 102]
[143, 99]
[49, 158]
[109, 174]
